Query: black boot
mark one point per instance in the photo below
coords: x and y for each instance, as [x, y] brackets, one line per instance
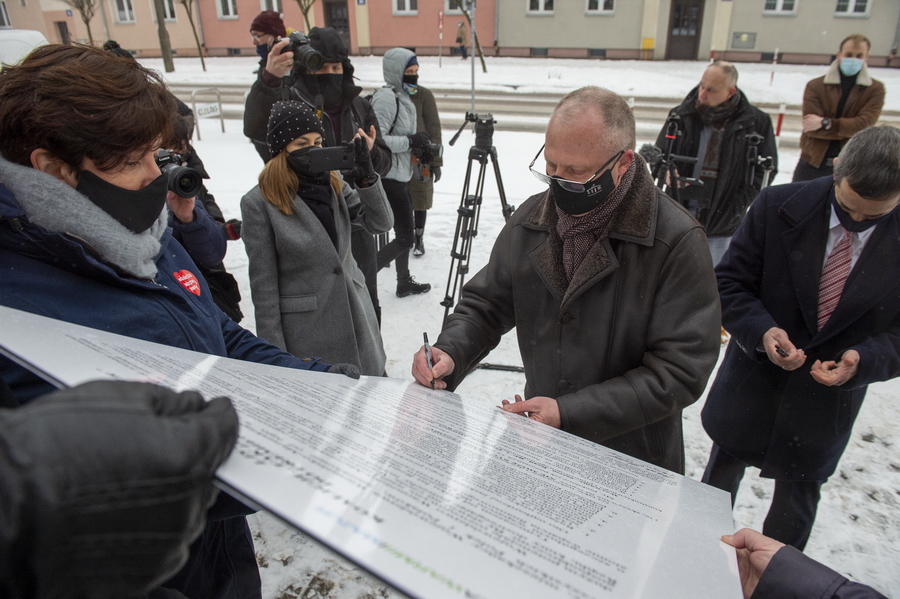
[408, 286]
[419, 248]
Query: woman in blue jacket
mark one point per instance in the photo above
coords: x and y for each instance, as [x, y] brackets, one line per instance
[84, 239]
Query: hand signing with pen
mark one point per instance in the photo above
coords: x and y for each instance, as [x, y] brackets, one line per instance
[443, 365]
[542, 409]
[833, 373]
[776, 338]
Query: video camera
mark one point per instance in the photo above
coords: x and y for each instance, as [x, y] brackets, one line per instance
[423, 158]
[304, 55]
[183, 181]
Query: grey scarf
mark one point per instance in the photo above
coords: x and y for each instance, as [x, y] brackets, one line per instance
[51, 204]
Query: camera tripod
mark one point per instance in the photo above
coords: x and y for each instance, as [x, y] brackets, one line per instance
[767, 163]
[666, 172]
[469, 212]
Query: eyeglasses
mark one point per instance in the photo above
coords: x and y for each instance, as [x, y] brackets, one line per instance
[573, 186]
[258, 36]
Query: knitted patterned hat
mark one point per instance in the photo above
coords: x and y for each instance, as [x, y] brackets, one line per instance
[269, 22]
[288, 121]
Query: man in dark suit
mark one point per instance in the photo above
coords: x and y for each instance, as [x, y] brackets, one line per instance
[811, 296]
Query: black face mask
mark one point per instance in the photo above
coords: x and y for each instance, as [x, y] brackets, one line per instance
[411, 79]
[850, 224]
[136, 210]
[331, 86]
[298, 161]
[576, 203]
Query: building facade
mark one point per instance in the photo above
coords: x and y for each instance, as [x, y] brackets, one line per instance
[799, 31]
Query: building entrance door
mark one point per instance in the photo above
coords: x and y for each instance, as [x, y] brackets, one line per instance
[684, 29]
[62, 28]
[336, 16]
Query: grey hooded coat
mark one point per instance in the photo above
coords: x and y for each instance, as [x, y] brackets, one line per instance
[396, 113]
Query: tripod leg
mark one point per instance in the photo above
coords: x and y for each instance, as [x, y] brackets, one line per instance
[505, 207]
[466, 230]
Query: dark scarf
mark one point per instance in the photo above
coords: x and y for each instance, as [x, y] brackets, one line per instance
[717, 116]
[579, 234]
[318, 195]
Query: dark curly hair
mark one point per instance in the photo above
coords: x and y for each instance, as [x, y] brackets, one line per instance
[81, 102]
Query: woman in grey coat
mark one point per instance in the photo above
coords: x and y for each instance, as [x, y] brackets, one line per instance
[308, 293]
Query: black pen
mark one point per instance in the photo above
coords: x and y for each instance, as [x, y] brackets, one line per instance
[428, 357]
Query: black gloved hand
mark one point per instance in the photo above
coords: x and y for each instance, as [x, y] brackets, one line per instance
[363, 173]
[351, 370]
[106, 485]
[232, 229]
[419, 141]
[436, 173]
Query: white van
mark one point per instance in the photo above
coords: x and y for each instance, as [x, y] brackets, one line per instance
[16, 44]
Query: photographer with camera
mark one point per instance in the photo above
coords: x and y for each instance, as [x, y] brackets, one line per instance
[345, 114]
[307, 289]
[716, 127]
[397, 117]
[427, 162]
[204, 237]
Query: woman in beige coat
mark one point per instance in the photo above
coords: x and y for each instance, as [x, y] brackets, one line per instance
[308, 293]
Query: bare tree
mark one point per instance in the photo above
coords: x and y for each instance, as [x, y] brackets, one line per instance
[86, 9]
[164, 45]
[189, 9]
[305, 7]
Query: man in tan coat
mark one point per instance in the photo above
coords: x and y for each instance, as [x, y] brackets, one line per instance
[837, 106]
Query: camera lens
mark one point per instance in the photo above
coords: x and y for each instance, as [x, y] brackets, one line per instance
[309, 59]
[184, 182]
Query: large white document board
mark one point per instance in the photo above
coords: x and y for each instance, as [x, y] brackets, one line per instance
[437, 496]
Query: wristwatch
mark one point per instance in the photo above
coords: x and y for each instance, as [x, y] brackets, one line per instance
[826, 123]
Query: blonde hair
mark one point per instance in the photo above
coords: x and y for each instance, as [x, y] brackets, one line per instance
[278, 183]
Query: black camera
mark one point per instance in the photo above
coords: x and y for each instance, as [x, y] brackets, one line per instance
[304, 55]
[427, 155]
[183, 181]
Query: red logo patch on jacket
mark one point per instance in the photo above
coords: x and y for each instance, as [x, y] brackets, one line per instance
[188, 281]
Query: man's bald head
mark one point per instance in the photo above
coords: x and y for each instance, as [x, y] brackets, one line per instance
[601, 114]
[718, 84]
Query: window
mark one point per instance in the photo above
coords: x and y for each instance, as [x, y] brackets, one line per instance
[168, 10]
[406, 7]
[4, 16]
[451, 7]
[852, 8]
[124, 11]
[783, 7]
[227, 9]
[601, 6]
[540, 6]
[274, 5]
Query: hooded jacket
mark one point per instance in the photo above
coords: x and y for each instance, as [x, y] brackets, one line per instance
[624, 346]
[821, 97]
[733, 192]
[396, 113]
[356, 113]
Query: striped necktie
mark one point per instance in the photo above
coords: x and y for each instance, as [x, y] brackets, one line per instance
[834, 276]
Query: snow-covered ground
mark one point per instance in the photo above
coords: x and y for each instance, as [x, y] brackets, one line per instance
[858, 528]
